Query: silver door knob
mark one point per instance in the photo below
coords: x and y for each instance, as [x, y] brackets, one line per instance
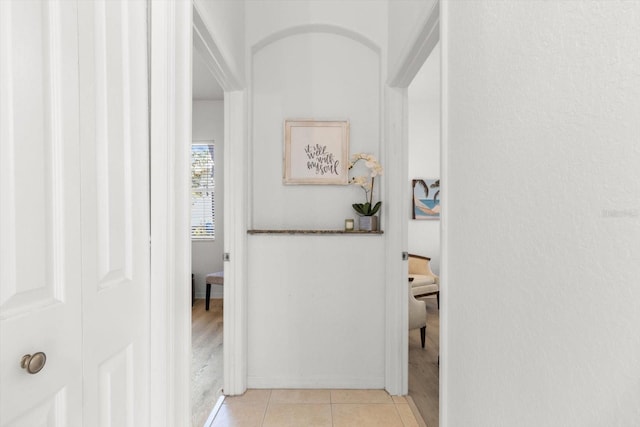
[33, 364]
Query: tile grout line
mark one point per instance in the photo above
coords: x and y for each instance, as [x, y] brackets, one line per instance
[395, 406]
[331, 406]
[264, 415]
[416, 413]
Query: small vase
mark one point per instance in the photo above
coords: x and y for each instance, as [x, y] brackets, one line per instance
[368, 223]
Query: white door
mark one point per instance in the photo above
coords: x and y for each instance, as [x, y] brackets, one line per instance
[114, 149]
[74, 217]
[40, 254]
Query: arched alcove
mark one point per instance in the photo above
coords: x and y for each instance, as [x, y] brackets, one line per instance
[320, 72]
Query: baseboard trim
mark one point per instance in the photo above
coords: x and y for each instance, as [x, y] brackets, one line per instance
[214, 294]
[316, 383]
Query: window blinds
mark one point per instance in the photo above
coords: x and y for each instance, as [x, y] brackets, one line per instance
[203, 186]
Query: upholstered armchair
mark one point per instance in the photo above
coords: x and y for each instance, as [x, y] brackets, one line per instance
[423, 281]
[417, 315]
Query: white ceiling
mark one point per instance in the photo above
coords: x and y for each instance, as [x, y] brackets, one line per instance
[205, 85]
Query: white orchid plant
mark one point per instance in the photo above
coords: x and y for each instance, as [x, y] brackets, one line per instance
[366, 183]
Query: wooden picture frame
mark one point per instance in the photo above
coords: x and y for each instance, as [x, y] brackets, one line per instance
[316, 152]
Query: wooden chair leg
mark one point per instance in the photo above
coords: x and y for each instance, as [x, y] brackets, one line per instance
[423, 332]
[208, 296]
[438, 298]
[193, 290]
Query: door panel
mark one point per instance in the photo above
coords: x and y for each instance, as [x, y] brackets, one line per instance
[97, 328]
[115, 211]
[116, 388]
[112, 171]
[40, 302]
[50, 412]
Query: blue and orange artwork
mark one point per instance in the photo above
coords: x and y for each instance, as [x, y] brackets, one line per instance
[426, 198]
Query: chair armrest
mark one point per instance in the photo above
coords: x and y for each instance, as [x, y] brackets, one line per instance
[417, 312]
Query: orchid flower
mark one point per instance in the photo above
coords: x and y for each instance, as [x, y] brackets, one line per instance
[366, 182]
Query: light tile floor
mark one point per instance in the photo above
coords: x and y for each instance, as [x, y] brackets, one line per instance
[311, 408]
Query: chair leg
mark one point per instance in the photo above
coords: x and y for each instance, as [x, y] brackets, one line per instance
[208, 296]
[438, 298]
[423, 332]
[193, 290]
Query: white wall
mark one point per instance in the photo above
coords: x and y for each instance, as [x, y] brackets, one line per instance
[225, 21]
[316, 312]
[206, 255]
[424, 151]
[320, 76]
[543, 213]
[316, 303]
[268, 17]
[404, 21]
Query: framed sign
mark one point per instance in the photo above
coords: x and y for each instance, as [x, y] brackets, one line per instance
[316, 152]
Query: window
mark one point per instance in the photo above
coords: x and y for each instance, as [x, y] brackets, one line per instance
[203, 186]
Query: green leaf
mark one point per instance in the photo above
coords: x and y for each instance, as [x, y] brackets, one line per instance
[358, 208]
[365, 209]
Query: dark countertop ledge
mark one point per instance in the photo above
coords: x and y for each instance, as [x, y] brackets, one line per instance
[322, 232]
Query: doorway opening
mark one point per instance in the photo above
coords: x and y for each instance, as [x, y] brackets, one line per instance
[423, 230]
[207, 240]
[177, 30]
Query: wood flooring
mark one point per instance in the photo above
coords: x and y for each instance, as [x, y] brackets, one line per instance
[206, 359]
[424, 371]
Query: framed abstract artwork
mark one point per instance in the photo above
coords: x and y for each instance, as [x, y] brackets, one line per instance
[426, 198]
[316, 152]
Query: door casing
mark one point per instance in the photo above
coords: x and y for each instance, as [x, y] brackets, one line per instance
[173, 24]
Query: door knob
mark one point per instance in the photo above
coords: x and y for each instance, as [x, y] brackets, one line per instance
[33, 364]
